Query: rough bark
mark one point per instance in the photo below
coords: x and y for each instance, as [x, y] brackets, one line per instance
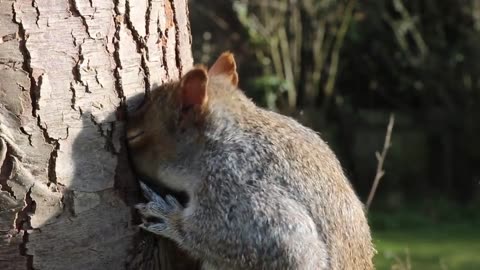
[67, 69]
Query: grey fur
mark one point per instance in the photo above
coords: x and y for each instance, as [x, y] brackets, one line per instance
[265, 193]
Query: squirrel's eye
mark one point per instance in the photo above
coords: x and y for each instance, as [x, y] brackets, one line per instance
[135, 134]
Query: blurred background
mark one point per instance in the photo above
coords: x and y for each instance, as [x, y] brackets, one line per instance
[342, 68]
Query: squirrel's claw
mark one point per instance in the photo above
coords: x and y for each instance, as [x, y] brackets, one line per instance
[149, 193]
[162, 210]
[164, 215]
[156, 228]
[153, 209]
[173, 203]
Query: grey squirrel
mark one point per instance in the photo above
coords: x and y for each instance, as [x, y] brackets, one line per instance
[264, 191]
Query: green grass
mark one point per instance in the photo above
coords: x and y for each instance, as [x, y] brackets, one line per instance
[452, 247]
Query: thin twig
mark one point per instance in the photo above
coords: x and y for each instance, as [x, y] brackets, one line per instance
[401, 264]
[381, 159]
[287, 67]
[335, 58]
[209, 13]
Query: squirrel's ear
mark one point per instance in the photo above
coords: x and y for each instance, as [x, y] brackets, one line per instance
[225, 65]
[193, 86]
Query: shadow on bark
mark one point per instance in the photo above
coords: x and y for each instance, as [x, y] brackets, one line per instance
[146, 252]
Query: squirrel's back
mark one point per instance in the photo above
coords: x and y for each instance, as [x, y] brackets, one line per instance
[265, 150]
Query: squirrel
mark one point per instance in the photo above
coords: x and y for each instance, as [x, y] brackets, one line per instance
[264, 191]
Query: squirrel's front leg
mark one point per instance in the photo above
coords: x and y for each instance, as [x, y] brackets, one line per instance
[166, 212]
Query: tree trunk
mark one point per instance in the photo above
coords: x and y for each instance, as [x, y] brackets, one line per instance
[67, 69]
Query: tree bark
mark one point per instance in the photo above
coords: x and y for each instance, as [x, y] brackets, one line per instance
[67, 71]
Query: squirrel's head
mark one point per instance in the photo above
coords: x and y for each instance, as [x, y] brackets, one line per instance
[169, 124]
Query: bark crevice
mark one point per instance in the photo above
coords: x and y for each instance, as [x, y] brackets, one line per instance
[22, 223]
[29, 135]
[52, 162]
[6, 168]
[77, 77]
[72, 7]
[74, 96]
[177, 38]
[170, 21]
[44, 130]
[116, 54]
[26, 66]
[163, 36]
[141, 45]
[107, 134]
[9, 37]
[51, 169]
[35, 6]
[147, 21]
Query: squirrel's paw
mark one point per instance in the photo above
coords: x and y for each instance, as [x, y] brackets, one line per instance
[165, 212]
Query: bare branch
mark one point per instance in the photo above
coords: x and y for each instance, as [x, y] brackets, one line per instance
[402, 264]
[381, 159]
[332, 72]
